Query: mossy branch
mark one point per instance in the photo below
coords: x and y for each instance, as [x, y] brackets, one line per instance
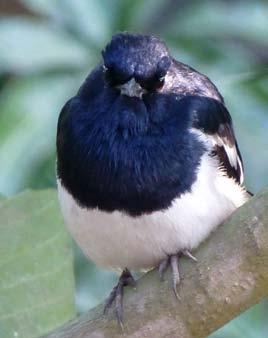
[230, 276]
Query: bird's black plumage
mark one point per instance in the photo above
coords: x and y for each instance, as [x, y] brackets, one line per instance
[138, 154]
[121, 153]
[145, 58]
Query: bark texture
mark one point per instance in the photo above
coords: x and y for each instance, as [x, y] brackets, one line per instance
[230, 276]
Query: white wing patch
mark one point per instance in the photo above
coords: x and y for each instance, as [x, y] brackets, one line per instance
[231, 152]
[212, 141]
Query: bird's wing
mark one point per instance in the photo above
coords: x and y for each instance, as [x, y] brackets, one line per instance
[213, 121]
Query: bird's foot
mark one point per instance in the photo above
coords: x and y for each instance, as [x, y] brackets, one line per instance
[116, 296]
[173, 261]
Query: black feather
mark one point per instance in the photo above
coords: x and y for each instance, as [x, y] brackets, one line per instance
[212, 118]
[137, 154]
[121, 153]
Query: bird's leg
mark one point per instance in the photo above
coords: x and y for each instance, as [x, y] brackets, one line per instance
[162, 267]
[173, 261]
[116, 296]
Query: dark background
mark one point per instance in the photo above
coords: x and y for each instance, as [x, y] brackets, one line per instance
[48, 47]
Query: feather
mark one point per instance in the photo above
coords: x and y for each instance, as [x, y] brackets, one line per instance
[212, 121]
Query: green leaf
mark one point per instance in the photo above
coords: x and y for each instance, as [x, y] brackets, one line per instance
[43, 7]
[36, 270]
[221, 20]
[88, 20]
[30, 46]
[29, 111]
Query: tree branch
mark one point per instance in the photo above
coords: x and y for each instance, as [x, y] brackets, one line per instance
[230, 276]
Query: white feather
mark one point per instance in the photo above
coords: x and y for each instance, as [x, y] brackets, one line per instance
[212, 140]
[117, 240]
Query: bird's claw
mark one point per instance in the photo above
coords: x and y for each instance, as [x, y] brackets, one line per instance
[163, 267]
[116, 296]
[187, 253]
[173, 261]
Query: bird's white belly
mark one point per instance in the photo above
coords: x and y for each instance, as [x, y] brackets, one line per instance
[116, 240]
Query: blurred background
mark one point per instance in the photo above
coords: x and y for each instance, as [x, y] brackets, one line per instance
[48, 47]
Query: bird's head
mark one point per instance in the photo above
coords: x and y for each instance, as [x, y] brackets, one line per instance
[136, 63]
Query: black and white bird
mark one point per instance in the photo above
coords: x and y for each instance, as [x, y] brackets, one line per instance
[147, 161]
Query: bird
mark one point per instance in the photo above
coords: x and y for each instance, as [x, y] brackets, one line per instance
[147, 161]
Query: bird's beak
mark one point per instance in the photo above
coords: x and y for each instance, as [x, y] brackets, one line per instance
[132, 89]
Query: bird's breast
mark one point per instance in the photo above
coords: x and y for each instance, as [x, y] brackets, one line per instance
[135, 157]
[137, 176]
[118, 240]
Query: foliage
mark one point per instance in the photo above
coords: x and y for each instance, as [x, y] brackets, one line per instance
[36, 275]
[46, 54]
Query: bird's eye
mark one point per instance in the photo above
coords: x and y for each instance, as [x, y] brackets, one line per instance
[160, 82]
[109, 76]
[153, 83]
[115, 77]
